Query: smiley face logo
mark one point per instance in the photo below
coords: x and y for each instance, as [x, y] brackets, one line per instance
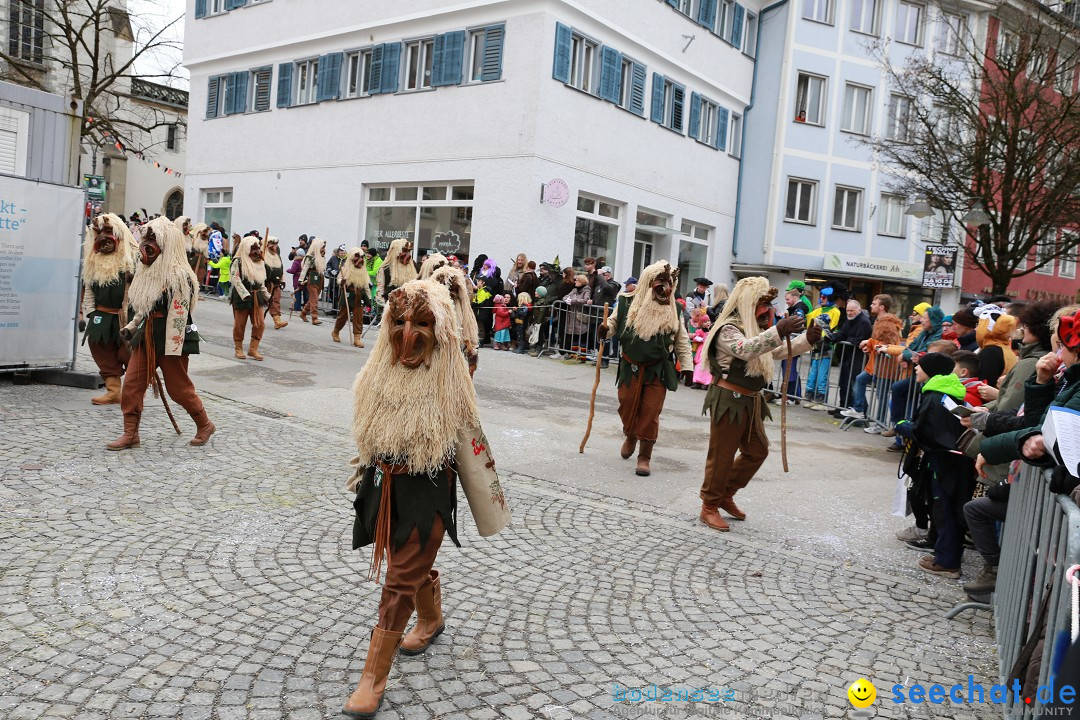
[862, 693]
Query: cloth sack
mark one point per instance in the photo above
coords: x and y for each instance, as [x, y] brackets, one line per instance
[480, 481]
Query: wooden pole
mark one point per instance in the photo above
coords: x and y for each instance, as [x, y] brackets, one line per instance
[783, 406]
[596, 384]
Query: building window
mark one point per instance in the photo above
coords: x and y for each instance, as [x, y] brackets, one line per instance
[692, 263]
[1067, 259]
[695, 230]
[434, 217]
[950, 36]
[582, 55]
[750, 45]
[1044, 254]
[668, 99]
[801, 199]
[1036, 69]
[686, 7]
[1008, 43]
[596, 229]
[171, 137]
[909, 22]
[26, 30]
[476, 55]
[419, 57]
[215, 7]
[857, 104]
[14, 140]
[900, 125]
[726, 19]
[259, 82]
[735, 143]
[307, 81]
[810, 100]
[217, 207]
[1066, 75]
[818, 10]
[174, 204]
[939, 228]
[847, 208]
[891, 215]
[358, 74]
[864, 16]
[707, 118]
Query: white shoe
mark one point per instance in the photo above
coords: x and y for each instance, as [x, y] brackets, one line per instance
[912, 534]
[557, 356]
[853, 413]
[814, 406]
[874, 429]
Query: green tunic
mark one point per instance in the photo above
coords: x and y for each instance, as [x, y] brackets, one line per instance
[191, 338]
[274, 275]
[719, 401]
[104, 327]
[415, 500]
[240, 303]
[654, 357]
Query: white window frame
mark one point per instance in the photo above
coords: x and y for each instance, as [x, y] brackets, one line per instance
[859, 24]
[475, 60]
[1043, 249]
[223, 198]
[845, 223]
[686, 7]
[626, 77]
[33, 12]
[584, 60]
[821, 11]
[950, 39]
[1007, 41]
[669, 105]
[362, 59]
[215, 7]
[1065, 78]
[892, 119]
[725, 18]
[707, 123]
[735, 136]
[1038, 62]
[305, 93]
[419, 62]
[903, 9]
[802, 97]
[849, 122]
[891, 213]
[804, 186]
[749, 45]
[694, 231]
[18, 122]
[1067, 260]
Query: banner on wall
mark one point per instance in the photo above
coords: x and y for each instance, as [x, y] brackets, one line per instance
[939, 266]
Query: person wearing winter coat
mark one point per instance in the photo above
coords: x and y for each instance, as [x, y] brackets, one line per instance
[885, 332]
[930, 323]
[299, 291]
[854, 332]
[223, 267]
[994, 335]
[577, 322]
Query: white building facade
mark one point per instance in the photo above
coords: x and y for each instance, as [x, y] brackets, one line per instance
[551, 127]
[813, 203]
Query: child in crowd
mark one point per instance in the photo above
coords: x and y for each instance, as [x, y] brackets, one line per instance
[701, 324]
[223, 266]
[520, 317]
[943, 475]
[967, 365]
[502, 323]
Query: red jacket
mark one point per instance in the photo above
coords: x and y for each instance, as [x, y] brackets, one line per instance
[972, 386]
[502, 318]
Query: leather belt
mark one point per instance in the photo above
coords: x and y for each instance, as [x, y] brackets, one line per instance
[111, 311]
[734, 388]
[635, 366]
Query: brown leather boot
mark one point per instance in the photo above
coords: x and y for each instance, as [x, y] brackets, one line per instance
[112, 392]
[728, 505]
[315, 318]
[203, 428]
[643, 457]
[238, 350]
[303, 313]
[712, 518]
[356, 340]
[335, 335]
[130, 438]
[367, 697]
[429, 617]
[628, 447]
[253, 350]
[278, 324]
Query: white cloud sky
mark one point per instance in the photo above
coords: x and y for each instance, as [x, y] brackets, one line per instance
[155, 14]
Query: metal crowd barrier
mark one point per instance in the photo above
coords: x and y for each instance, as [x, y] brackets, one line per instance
[1040, 540]
[570, 330]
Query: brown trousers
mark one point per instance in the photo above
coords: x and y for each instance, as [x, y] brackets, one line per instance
[240, 321]
[725, 474]
[110, 358]
[407, 570]
[642, 422]
[174, 376]
[275, 299]
[357, 313]
[313, 292]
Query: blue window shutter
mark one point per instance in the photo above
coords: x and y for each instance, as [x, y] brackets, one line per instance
[707, 13]
[678, 98]
[721, 128]
[284, 85]
[673, 3]
[610, 74]
[230, 93]
[260, 97]
[375, 76]
[657, 98]
[233, 4]
[736, 26]
[563, 46]
[449, 52]
[213, 88]
[438, 61]
[493, 53]
[694, 130]
[329, 82]
[637, 89]
[240, 94]
[200, 8]
[390, 65]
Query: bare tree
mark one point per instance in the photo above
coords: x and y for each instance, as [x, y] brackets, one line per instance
[994, 121]
[88, 50]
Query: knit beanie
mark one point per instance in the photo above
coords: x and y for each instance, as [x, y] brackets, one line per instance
[934, 364]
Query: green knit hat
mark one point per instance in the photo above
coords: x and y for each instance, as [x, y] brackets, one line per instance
[796, 285]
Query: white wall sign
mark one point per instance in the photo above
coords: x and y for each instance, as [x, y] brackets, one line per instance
[41, 230]
[876, 267]
[556, 193]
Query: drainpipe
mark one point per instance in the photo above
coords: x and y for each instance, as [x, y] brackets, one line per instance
[746, 123]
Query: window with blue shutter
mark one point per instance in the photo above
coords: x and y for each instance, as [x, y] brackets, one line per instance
[230, 93]
[493, 53]
[391, 62]
[240, 93]
[375, 76]
[707, 14]
[610, 74]
[673, 3]
[200, 8]
[657, 98]
[449, 55]
[678, 97]
[563, 48]
[737, 25]
[233, 4]
[260, 96]
[329, 87]
[695, 116]
[637, 89]
[721, 128]
[213, 88]
[284, 85]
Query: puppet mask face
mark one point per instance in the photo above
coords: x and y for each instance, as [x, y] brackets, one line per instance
[322, 251]
[149, 249]
[412, 333]
[255, 253]
[271, 247]
[662, 286]
[205, 235]
[405, 257]
[764, 312]
[104, 236]
[187, 228]
[357, 260]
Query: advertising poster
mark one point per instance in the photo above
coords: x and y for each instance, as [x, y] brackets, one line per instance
[939, 266]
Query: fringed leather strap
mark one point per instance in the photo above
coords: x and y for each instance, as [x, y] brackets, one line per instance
[382, 523]
[151, 354]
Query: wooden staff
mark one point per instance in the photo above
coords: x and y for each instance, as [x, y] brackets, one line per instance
[161, 393]
[596, 384]
[783, 406]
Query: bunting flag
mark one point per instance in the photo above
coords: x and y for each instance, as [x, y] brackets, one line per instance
[139, 155]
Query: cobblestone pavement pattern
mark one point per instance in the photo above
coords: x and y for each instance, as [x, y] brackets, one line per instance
[175, 582]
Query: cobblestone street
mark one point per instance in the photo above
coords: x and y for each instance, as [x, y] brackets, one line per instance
[178, 582]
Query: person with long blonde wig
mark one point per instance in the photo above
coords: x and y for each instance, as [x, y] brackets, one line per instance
[249, 297]
[741, 347]
[109, 257]
[353, 296]
[651, 335]
[312, 275]
[160, 331]
[415, 409]
[275, 272]
[398, 268]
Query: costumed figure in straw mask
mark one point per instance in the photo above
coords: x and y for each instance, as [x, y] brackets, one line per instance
[431, 263]
[652, 336]
[275, 273]
[417, 434]
[398, 268]
[457, 283]
[312, 273]
[109, 258]
[354, 294]
[741, 347]
[199, 250]
[160, 331]
[248, 296]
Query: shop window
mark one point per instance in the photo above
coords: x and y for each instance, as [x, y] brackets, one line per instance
[692, 258]
[217, 207]
[596, 230]
[435, 217]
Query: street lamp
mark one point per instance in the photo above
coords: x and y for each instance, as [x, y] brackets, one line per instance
[920, 208]
[976, 216]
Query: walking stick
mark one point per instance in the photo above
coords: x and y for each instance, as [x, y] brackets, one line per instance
[156, 379]
[596, 384]
[783, 406]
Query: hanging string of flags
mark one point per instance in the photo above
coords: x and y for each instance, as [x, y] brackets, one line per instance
[140, 155]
